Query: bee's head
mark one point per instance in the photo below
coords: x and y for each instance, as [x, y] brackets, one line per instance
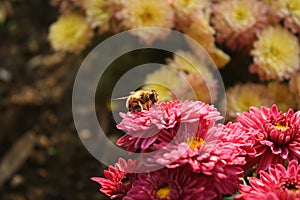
[153, 96]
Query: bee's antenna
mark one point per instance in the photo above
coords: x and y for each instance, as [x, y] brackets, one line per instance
[120, 98]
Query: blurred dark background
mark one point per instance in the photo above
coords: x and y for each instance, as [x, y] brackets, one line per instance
[41, 155]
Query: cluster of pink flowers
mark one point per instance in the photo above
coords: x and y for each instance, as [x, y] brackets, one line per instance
[256, 154]
[198, 158]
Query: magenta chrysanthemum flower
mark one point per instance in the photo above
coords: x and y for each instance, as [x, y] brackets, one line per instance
[161, 122]
[218, 161]
[166, 184]
[278, 184]
[118, 179]
[234, 134]
[276, 135]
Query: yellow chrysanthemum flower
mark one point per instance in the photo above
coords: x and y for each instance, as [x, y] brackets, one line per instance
[276, 54]
[289, 11]
[187, 6]
[189, 63]
[147, 13]
[98, 14]
[241, 96]
[219, 57]
[70, 33]
[185, 9]
[282, 96]
[165, 81]
[203, 33]
[199, 83]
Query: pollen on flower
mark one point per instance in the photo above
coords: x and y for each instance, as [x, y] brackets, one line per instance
[163, 192]
[195, 142]
[70, 33]
[281, 125]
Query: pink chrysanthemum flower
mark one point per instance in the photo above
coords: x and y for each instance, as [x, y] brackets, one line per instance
[146, 127]
[147, 13]
[278, 183]
[165, 184]
[276, 135]
[218, 161]
[118, 179]
[276, 54]
[237, 22]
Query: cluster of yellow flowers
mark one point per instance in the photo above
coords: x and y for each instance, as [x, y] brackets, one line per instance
[190, 17]
[264, 31]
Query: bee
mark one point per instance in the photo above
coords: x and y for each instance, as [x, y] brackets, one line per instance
[140, 99]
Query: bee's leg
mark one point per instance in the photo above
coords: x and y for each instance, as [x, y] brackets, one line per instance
[148, 105]
[141, 105]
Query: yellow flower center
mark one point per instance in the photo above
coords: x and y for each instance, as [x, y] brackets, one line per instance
[290, 184]
[195, 142]
[247, 99]
[163, 192]
[241, 13]
[146, 15]
[274, 53]
[294, 5]
[187, 3]
[281, 125]
[294, 8]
